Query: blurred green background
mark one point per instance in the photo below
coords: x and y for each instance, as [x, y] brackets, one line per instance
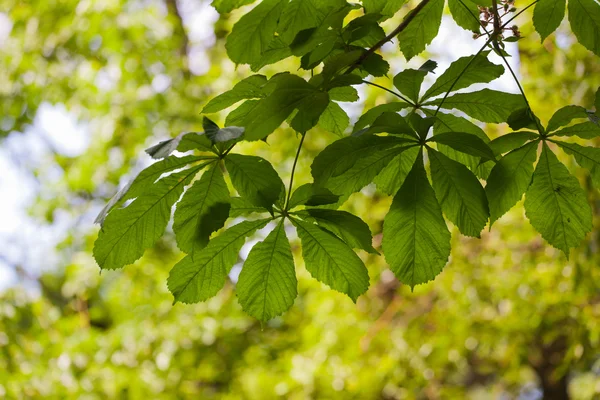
[86, 85]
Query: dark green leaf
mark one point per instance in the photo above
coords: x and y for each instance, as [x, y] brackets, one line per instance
[584, 16]
[203, 210]
[391, 178]
[291, 92]
[241, 113]
[485, 105]
[334, 119]
[390, 122]
[227, 6]
[371, 115]
[351, 229]
[565, 115]
[416, 240]
[331, 261]
[386, 8]
[587, 157]
[252, 35]
[511, 141]
[452, 123]
[459, 193]
[585, 130]
[556, 205]
[509, 179]
[249, 88]
[312, 195]
[267, 285]
[343, 93]
[375, 65]
[409, 83]
[480, 70]
[128, 231]
[349, 164]
[144, 180]
[240, 207]
[422, 29]
[197, 279]
[255, 179]
[465, 143]
[184, 142]
[465, 13]
[547, 16]
[523, 118]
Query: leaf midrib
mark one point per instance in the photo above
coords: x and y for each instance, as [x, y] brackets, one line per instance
[193, 170]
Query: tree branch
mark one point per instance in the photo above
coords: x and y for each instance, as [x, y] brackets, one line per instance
[409, 17]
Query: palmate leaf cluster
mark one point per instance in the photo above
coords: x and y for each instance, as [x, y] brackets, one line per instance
[427, 150]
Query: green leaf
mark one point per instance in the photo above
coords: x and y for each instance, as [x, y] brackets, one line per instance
[585, 130]
[203, 210]
[249, 88]
[511, 141]
[509, 179]
[422, 29]
[416, 240]
[459, 193]
[373, 113]
[312, 195]
[221, 135]
[547, 16]
[310, 111]
[485, 105]
[465, 143]
[390, 122]
[452, 123]
[584, 16]
[349, 164]
[375, 65]
[227, 6]
[252, 35]
[386, 8]
[565, 115]
[429, 66]
[587, 157]
[351, 229]
[267, 285]
[197, 279]
[343, 93]
[241, 113]
[421, 125]
[556, 205]
[323, 38]
[409, 82]
[255, 179]
[465, 13]
[480, 70]
[364, 31]
[144, 180]
[334, 119]
[128, 231]
[184, 142]
[391, 178]
[291, 92]
[523, 118]
[300, 15]
[241, 207]
[331, 261]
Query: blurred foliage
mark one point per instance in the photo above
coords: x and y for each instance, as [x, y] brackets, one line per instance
[508, 316]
